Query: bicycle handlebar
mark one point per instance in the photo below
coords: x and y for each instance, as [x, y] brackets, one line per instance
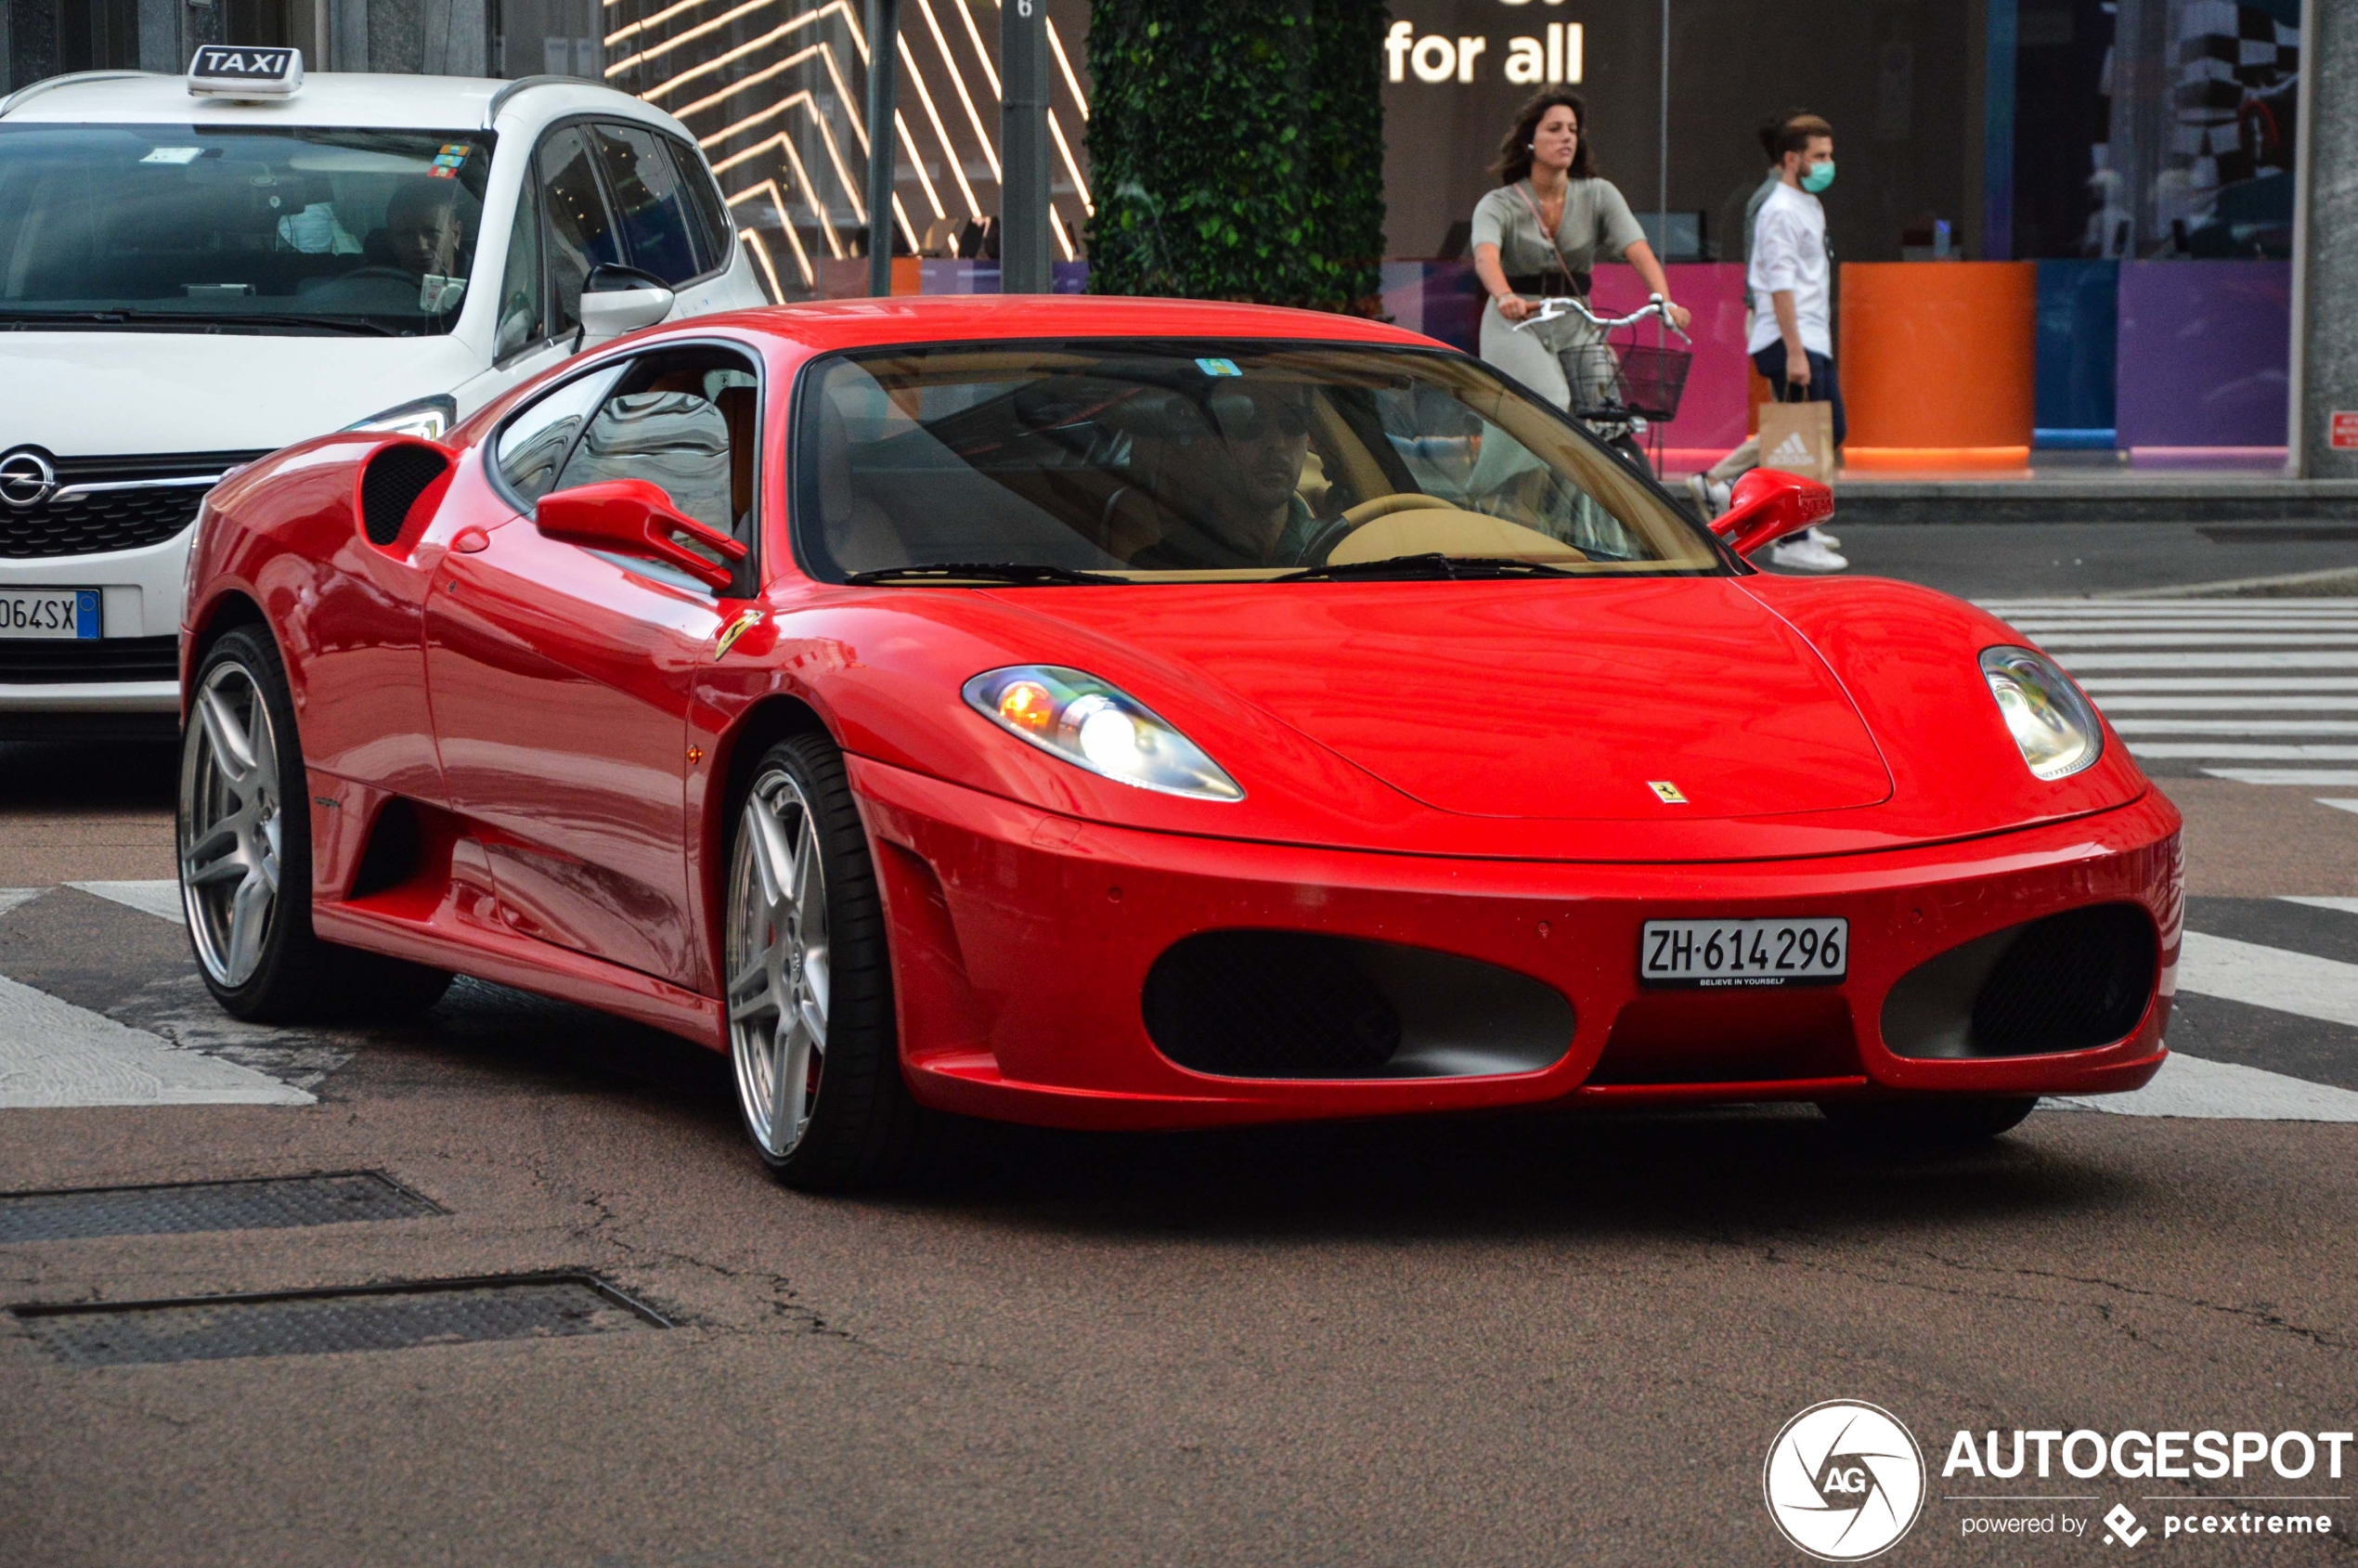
[1554, 308]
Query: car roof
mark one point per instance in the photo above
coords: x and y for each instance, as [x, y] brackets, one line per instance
[828, 325]
[341, 99]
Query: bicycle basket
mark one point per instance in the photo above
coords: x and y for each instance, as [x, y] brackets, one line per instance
[1653, 380]
[1611, 383]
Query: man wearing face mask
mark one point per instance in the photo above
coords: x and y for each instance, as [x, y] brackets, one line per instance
[1792, 284]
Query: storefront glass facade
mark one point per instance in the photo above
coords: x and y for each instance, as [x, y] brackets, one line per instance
[2090, 199]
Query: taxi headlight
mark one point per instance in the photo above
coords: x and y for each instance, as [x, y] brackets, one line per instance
[2053, 725]
[1090, 724]
[425, 418]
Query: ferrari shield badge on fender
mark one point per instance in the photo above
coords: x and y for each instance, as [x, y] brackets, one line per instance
[1662, 787]
[736, 629]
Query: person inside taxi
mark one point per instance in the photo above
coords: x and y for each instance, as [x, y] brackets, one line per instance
[421, 230]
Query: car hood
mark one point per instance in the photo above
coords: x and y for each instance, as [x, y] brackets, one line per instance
[110, 394]
[1585, 701]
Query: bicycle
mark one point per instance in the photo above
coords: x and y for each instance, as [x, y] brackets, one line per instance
[1618, 389]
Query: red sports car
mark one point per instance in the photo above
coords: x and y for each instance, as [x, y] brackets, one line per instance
[1128, 714]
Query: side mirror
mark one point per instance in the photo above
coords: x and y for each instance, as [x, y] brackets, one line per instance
[633, 517]
[1769, 504]
[617, 299]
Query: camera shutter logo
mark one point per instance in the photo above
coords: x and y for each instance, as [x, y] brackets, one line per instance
[26, 478]
[1844, 1480]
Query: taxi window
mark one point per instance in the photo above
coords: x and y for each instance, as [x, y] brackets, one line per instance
[580, 230]
[650, 206]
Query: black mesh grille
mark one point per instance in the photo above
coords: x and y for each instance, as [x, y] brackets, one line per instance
[391, 486]
[1268, 1004]
[98, 658]
[2071, 981]
[101, 521]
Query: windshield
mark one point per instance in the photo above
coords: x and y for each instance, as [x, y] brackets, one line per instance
[1200, 460]
[265, 231]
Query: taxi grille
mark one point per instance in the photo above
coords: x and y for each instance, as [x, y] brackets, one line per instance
[105, 504]
[69, 660]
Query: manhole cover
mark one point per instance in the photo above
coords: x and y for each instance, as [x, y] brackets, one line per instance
[271, 1203]
[319, 1322]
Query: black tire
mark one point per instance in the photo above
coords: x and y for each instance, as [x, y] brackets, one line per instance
[1906, 1124]
[294, 977]
[860, 1126]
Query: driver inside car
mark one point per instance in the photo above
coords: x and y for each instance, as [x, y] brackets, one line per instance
[1238, 490]
[420, 235]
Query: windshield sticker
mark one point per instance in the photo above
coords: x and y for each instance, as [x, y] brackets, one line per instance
[172, 155]
[1218, 366]
[442, 171]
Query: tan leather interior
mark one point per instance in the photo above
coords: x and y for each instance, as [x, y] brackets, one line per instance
[1446, 530]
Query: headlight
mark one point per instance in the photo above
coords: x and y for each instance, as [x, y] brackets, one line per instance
[2053, 725]
[1092, 725]
[425, 418]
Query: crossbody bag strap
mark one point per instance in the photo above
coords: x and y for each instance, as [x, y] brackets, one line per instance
[1571, 280]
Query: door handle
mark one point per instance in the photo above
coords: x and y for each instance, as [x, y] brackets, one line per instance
[470, 540]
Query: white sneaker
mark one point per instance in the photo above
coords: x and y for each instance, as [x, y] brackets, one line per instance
[1699, 493]
[1803, 553]
[1825, 538]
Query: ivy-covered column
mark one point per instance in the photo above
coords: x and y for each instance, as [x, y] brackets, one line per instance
[1236, 148]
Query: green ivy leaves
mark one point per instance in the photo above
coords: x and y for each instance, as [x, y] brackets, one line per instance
[1238, 147]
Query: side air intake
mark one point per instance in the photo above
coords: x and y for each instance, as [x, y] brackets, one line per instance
[391, 485]
[2070, 982]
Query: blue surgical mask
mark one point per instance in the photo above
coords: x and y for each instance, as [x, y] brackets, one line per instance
[1817, 179]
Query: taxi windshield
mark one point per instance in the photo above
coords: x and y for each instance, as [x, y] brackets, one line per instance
[234, 229]
[1112, 461]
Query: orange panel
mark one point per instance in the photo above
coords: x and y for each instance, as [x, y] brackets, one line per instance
[1939, 356]
[908, 275]
[1903, 459]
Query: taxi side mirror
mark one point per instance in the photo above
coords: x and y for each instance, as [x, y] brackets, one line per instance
[1769, 504]
[617, 299]
[634, 517]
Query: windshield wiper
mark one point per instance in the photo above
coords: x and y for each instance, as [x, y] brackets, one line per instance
[19, 321]
[1431, 566]
[1023, 573]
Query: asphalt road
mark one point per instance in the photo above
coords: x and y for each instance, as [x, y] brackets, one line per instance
[1495, 1341]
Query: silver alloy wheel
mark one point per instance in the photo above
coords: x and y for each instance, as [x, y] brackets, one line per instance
[229, 823]
[777, 957]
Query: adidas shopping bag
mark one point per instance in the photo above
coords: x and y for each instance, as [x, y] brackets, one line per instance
[1798, 438]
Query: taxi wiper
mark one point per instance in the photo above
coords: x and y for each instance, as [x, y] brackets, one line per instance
[1023, 573]
[128, 317]
[1431, 566]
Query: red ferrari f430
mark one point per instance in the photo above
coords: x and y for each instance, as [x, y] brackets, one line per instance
[1133, 714]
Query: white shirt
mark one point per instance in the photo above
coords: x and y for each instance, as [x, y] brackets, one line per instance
[1789, 251]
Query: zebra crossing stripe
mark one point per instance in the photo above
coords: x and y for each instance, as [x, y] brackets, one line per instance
[2191, 1087]
[53, 1054]
[159, 898]
[11, 896]
[2300, 778]
[2299, 983]
[2235, 726]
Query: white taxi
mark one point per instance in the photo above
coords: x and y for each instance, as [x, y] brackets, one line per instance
[197, 270]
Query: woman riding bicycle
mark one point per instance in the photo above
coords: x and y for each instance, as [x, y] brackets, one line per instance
[1548, 223]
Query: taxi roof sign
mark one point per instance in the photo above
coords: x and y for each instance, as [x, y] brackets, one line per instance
[231, 70]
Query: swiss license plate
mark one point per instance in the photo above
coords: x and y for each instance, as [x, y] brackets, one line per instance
[1744, 953]
[64, 613]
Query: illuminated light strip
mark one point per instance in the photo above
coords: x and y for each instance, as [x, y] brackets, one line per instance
[761, 254]
[908, 229]
[810, 190]
[909, 145]
[989, 72]
[718, 61]
[958, 80]
[1056, 46]
[1079, 186]
[845, 100]
[835, 155]
[667, 45]
[739, 85]
[950, 152]
[643, 23]
[778, 200]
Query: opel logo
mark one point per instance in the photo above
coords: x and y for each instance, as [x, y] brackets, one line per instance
[26, 478]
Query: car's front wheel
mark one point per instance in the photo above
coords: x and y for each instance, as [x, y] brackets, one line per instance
[1900, 1124]
[811, 1036]
[244, 832]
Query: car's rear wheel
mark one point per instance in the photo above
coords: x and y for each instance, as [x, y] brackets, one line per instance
[1926, 1124]
[244, 835]
[811, 1035]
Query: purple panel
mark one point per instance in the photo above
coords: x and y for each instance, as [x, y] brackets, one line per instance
[2205, 347]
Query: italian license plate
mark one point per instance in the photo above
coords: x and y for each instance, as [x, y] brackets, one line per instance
[1711, 953]
[64, 613]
